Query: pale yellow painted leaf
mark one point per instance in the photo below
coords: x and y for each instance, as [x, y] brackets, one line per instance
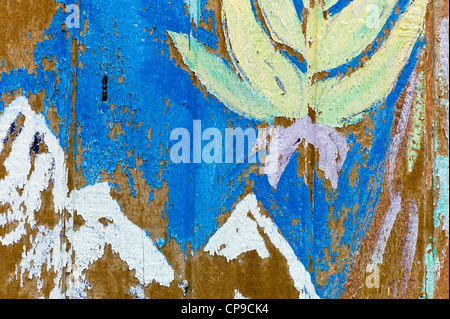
[221, 81]
[351, 31]
[284, 25]
[339, 99]
[275, 77]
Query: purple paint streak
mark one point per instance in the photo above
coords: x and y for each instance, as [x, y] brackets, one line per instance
[443, 47]
[409, 246]
[396, 200]
[385, 230]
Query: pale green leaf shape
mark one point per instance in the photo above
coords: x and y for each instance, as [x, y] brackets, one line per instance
[221, 81]
[339, 100]
[284, 25]
[348, 33]
[273, 86]
[255, 58]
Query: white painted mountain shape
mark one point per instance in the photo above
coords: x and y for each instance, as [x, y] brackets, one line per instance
[237, 236]
[93, 203]
[240, 234]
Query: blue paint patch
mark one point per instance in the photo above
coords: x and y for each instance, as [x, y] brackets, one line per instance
[160, 242]
[338, 6]
[290, 200]
[302, 66]
[298, 5]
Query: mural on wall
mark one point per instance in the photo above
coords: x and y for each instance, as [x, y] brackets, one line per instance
[224, 149]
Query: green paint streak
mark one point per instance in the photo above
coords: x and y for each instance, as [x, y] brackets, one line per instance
[416, 136]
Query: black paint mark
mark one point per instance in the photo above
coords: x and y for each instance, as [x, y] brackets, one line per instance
[105, 89]
[11, 131]
[104, 96]
[184, 287]
[280, 85]
[12, 128]
[35, 147]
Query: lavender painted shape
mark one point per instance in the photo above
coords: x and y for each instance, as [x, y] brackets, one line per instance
[284, 141]
[443, 47]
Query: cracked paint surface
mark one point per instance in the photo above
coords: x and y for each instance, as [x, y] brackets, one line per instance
[87, 113]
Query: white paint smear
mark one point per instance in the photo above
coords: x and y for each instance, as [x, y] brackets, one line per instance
[18, 166]
[238, 295]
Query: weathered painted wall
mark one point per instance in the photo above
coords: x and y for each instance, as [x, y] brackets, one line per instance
[119, 177]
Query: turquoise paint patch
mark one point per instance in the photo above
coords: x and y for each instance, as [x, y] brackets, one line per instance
[194, 9]
[441, 174]
[429, 280]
